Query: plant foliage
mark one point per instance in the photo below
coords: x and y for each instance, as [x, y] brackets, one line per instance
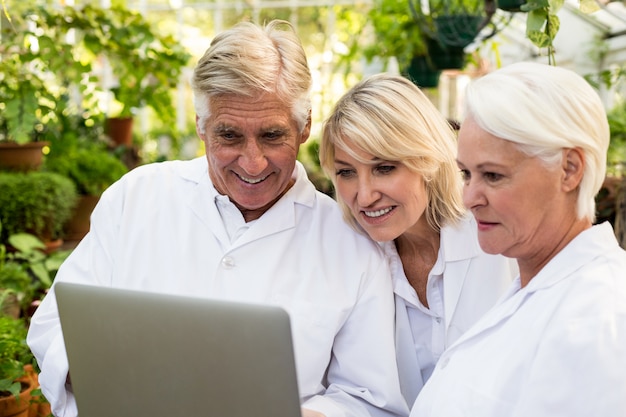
[35, 202]
[543, 23]
[14, 354]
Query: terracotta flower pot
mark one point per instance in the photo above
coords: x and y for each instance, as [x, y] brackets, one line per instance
[78, 226]
[26, 157]
[39, 407]
[120, 130]
[12, 407]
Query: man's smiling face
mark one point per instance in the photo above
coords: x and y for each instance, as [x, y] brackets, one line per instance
[251, 146]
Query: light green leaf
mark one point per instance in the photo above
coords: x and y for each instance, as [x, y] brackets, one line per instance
[535, 21]
[588, 6]
[25, 242]
[555, 6]
[41, 273]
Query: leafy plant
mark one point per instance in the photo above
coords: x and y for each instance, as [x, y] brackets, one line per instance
[35, 202]
[616, 156]
[16, 290]
[14, 354]
[91, 169]
[147, 63]
[41, 66]
[543, 23]
[30, 252]
[26, 103]
[26, 272]
[383, 31]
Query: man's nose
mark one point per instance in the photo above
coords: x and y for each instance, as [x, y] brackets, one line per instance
[252, 158]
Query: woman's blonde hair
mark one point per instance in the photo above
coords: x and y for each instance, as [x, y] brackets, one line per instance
[390, 118]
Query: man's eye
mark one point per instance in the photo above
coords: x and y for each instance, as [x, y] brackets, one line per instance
[228, 136]
[272, 136]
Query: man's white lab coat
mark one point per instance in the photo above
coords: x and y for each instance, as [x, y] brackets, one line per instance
[158, 229]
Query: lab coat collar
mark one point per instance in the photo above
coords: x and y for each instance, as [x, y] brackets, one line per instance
[598, 239]
[459, 246]
[580, 251]
[278, 218]
[456, 245]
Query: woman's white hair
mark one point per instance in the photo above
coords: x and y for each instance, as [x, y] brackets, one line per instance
[545, 109]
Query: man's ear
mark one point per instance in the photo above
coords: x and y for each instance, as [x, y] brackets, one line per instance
[573, 166]
[306, 132]
[198, 129]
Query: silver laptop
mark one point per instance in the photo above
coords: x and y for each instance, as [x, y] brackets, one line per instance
[134, 354]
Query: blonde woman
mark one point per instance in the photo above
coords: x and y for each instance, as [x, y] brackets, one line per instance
[391, 157]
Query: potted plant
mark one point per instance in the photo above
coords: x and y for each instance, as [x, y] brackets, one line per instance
[27, 106]
[384, 31]
[38, 71]
[423, 44]
[450, 26]
[15, 384]
[16, 289]
[146, 63]
[26, 273]
[92, 169]
[511, 6]
[35, 202]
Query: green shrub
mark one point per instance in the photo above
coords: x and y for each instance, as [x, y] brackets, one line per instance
[14, 354]
[91, 169]
[35, 202]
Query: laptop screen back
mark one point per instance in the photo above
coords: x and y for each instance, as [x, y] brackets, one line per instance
[136, 354]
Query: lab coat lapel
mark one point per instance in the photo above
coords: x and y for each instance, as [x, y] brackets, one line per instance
[508, 305]
[411, 382]
[458, 250]
[579, 252]
[282, 215]
[202, 203]
[454, 274]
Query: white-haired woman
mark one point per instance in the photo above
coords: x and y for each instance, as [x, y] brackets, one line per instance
[532, 150]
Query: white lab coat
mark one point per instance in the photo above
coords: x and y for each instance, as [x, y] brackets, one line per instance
[473, 281]
[556, 347]
[158, 229]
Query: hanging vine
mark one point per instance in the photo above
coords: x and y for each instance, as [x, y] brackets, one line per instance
[543, 23]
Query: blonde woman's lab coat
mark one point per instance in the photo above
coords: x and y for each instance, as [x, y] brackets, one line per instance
[159, 229]
[556, 347]
[473, 281]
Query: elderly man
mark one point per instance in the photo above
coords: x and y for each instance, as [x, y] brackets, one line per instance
[244, 223]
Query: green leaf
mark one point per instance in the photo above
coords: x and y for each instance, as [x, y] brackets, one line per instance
[555, 6]
[552, 27]
[535, 21]
[535, 5]
[25, 242]
[539, 39]
[588, 6]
